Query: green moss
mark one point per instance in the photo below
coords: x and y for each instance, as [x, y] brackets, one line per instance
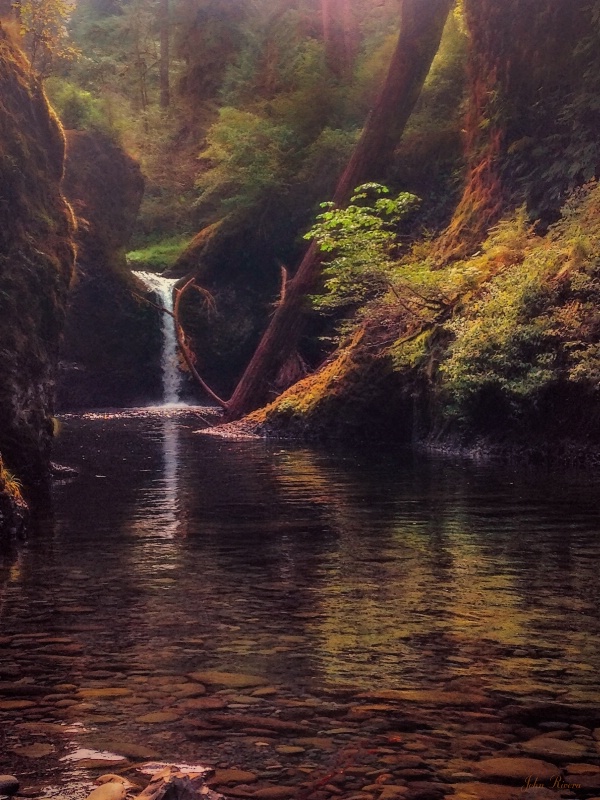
[159, 256]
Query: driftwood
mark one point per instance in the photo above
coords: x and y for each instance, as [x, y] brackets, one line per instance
[171, 783]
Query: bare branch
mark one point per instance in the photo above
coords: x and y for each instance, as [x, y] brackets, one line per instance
[183, 346]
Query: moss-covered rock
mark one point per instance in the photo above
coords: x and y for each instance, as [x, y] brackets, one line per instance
[238, 264]
[110, 349]
[36, 263]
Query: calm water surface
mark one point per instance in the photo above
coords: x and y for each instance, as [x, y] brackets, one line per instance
[174, 551]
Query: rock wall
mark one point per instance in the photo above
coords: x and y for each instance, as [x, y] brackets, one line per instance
[36, 263]
[109, 356]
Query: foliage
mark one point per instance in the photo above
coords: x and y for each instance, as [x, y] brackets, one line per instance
[246, 153]
[46, 38]
[535, 322]
[76, 108]
[363, 242]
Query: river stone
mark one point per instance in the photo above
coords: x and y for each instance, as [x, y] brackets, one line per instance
[203, 704]
[191, 690]
[555, 749]
[245, 721]
[39, 750]
[41, 727]
[8, 784]
[493, 791]
[157, 717]
[269, 691]
[103, 693]
[15, 705]
[391, 791]
[113, 790]
[582, 769]
[515, 770]
[432, 697]
[583, 782]
[135, 752]
[100, 763]
[290, 750]
[243, 699]
[226, 776]
[231, 680]
[275, 793]
[316, 742]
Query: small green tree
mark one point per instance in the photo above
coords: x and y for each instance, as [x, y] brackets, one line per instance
[362, 240]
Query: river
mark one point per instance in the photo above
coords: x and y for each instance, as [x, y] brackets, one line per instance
[368, 593]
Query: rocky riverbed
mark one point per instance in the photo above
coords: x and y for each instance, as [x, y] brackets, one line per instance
[270, 742]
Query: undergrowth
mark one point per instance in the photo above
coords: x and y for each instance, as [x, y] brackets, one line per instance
[493, 338]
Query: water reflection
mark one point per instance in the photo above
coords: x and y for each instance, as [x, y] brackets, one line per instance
[311, 567]
[158, 508]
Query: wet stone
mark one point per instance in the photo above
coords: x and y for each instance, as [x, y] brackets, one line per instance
[555, 749]
[8, 784]
[158, 717]
[203, 704]
[233, 680]
[515, 770]
[129, 750]
[15, 705]
[275, 793]
[106, 692]
[582, 769]
[39, 750]
[222, 777]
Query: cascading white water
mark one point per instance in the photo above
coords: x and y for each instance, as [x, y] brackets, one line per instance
[171, 374]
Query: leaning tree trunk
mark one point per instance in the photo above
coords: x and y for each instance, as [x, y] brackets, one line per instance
[421, 26]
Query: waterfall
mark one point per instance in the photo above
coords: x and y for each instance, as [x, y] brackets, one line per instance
[171, 374]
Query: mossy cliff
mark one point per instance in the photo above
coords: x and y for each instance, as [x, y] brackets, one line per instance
[110, 340]
[507, 357]
[36, 263]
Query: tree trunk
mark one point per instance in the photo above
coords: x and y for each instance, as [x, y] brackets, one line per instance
[422, 23]
[164, 58]
[519, 52]
[481, 201]
[338, 36]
